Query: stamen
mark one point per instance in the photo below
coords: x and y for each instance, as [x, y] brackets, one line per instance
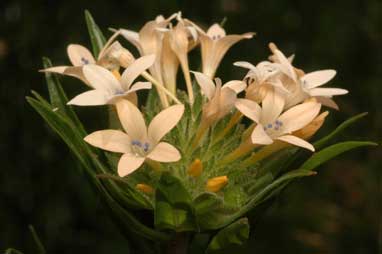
[146, 147]
[84, 60]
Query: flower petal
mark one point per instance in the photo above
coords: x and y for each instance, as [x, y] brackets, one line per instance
[259, 136]
[101, 78]
[236, 85]
[133, 38]
[216, 31]
[110, 140]
[164, 152]
[326, 101]
[136, 69]
[91, 98]
[246, 65]
[327, 92]
[79, 55]
[164, 122]
[296, 141]
[318, 78]
[206, 84]
[285, 65]
[299, 116]
[128, 164]
[132, 120]
[272, 106]
[249, 108]
[139, 86]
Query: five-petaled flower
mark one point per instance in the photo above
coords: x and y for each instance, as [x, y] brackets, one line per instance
[108, 89]
[139, 143]
[273, 125]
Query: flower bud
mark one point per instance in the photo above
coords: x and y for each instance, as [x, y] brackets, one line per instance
[217, 183]
[196, 168]
[145, 188]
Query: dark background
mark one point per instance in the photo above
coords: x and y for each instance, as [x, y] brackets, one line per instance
[338, 211]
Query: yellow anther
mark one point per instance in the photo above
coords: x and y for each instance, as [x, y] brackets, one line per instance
[145, 188]
[116, 74]
[217, 183]
[196, 168]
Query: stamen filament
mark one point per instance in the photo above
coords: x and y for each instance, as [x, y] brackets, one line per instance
[160, 87]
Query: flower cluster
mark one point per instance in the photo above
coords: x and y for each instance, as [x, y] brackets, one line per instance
[283, 101]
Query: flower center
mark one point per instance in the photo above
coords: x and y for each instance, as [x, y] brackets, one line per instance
[140, 148]
[84, 60]
[272, 128]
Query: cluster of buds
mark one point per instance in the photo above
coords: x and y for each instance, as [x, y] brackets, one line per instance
[283, 101]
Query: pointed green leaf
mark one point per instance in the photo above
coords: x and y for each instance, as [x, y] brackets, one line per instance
[96, 37]
[320, 143]
[332, 151]
[58, 98]
[230, 237]
[39, 245]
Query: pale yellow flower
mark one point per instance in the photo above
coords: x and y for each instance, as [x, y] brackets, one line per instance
[215, 44]
[221, 99]
[107, 88]
[274, 125]
[139, 143]
[112, 56]
[303, 86]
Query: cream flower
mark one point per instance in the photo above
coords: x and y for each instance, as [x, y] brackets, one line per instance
[215, 44]
[261, 79]
[111, 57]
[107, 88]
[303, 86]
[151, 39]
[272, 125]
[139, 143]
[221, 99]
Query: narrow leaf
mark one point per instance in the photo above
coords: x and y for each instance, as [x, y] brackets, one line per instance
[96, 37]
[332, 151]
[320, 143]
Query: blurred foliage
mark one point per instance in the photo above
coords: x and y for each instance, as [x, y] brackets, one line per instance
[338, 211]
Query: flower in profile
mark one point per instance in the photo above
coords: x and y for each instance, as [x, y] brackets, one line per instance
[215, 44]
[152, 40]
[139, 143]
[303, 86]
[272, 125]
[221, 99]
[112, 56]
[108, 89]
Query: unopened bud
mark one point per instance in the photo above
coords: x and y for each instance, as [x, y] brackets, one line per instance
[196, 168]
[145, 188]
[217, 183]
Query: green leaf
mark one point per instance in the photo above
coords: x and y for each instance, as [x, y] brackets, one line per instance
[40, 247]
[96, 37]
[206, 202]
[320, 143]
[133, 197]
[173, 205]
[58, 98]
[265, 194]
[12, 251]
[332, 151]
[230, 237]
